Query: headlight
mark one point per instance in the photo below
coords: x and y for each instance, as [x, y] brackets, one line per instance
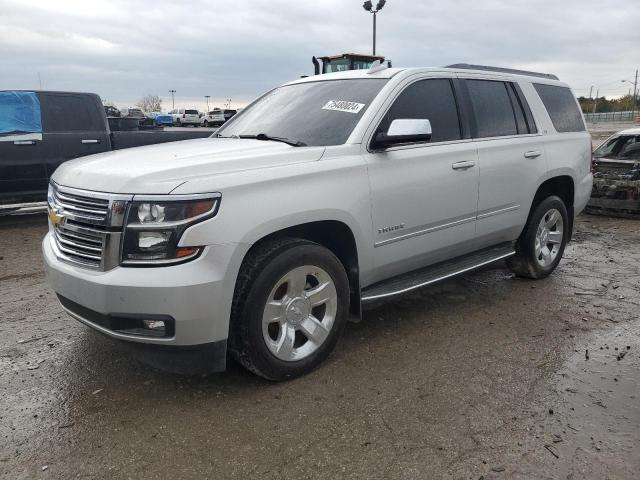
[154, 226]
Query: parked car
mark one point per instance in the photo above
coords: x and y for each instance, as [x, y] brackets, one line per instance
[41, 130]
[616, 182]
[228, 113]
[161, 119]
[182, 116]
[132, 112]
[327, 194]
[213, 118]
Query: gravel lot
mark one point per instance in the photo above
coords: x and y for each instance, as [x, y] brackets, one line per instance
[483, 376]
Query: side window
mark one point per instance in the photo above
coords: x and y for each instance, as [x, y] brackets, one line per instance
[492, 108]
[432, 99]
[562, 107]
[19, 113]
[69, 113]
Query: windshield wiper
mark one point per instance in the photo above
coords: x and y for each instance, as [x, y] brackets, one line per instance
[264, 136]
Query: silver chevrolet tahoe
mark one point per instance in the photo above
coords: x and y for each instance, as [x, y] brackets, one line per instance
[323, 195]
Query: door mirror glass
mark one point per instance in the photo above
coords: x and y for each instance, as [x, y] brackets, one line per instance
[405, 130]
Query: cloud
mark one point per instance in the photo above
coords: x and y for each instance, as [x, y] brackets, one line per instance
[124, 50]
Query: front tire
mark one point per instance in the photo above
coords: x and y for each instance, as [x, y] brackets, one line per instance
[542, 243]
[290, 306]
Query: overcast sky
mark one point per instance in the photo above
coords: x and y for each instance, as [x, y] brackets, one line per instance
[124, 49]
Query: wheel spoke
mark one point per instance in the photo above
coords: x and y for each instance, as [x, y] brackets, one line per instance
[553, 219]
[273, 312]
[296, 282]
[555, 237]
[314, 330]
[287, 338]
[320, 294]
[538, 248]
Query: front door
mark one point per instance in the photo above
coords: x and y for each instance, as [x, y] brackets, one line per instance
[424, 196]
[23, 175]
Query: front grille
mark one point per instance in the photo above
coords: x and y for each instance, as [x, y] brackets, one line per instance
[80, 245]
[86, 226]
[83, 208]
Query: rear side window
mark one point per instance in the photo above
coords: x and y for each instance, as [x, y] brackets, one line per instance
[431, 99]
[492, 108]
[562, 108]
[69, 113]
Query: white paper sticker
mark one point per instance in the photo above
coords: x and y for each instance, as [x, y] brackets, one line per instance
[344, 106]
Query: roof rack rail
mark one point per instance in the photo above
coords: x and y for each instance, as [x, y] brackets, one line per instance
[468, 66]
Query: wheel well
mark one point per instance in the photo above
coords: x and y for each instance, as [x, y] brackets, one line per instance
[562, 187]
[338, 238]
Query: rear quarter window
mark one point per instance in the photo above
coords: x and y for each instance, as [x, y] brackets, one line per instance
[562, 108]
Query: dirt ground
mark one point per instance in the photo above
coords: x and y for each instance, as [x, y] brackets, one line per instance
[485, 376]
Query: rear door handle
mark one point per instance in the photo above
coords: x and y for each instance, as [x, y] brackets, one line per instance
[532, 154]
[24, 142]
[88, 141]
[463, 165]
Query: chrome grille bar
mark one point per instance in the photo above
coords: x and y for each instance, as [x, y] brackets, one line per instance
[87, 227]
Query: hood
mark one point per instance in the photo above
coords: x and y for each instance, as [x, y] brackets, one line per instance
[159, 169]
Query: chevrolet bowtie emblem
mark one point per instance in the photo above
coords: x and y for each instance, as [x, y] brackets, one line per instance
[55, 217]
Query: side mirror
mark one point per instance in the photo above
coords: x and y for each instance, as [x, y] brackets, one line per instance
[404, 130]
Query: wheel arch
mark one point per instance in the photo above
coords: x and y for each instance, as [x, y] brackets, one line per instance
[561, 185]
[335, 235]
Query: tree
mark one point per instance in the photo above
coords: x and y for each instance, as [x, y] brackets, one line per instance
[150, 103]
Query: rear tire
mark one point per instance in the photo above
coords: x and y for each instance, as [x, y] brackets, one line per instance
[542, 243]
[290, 306]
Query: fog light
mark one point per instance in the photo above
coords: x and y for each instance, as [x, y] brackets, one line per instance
[155, 325]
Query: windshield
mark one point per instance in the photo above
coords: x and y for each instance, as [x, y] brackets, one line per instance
[623, 147]
[315, 113]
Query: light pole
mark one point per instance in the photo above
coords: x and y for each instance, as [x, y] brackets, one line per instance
[207, 97]
[635, 93]
[173, 103]
[368, 6]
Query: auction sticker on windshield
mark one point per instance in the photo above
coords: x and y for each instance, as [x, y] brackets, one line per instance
[343, 106]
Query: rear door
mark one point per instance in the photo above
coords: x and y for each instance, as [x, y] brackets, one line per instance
[23, 175]
[74, 126]
[511, 156]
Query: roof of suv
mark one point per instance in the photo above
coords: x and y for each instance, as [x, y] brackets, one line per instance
[459, 68]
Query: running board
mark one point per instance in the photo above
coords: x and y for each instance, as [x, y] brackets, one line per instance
[436, 273]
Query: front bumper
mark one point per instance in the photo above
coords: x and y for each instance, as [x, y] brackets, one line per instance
[191, 295]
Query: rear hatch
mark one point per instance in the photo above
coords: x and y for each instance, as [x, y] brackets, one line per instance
[191, 115]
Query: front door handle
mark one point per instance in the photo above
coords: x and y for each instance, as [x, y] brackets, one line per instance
[532, 154]
[24, 142]
[463, 165]
[89, 141]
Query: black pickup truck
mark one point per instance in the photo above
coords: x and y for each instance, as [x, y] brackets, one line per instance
[40, 130]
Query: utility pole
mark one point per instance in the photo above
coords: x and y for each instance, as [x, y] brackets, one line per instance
[635, 94]
[207, 97]
[368, 6]
[173, 103]
[595, 101]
